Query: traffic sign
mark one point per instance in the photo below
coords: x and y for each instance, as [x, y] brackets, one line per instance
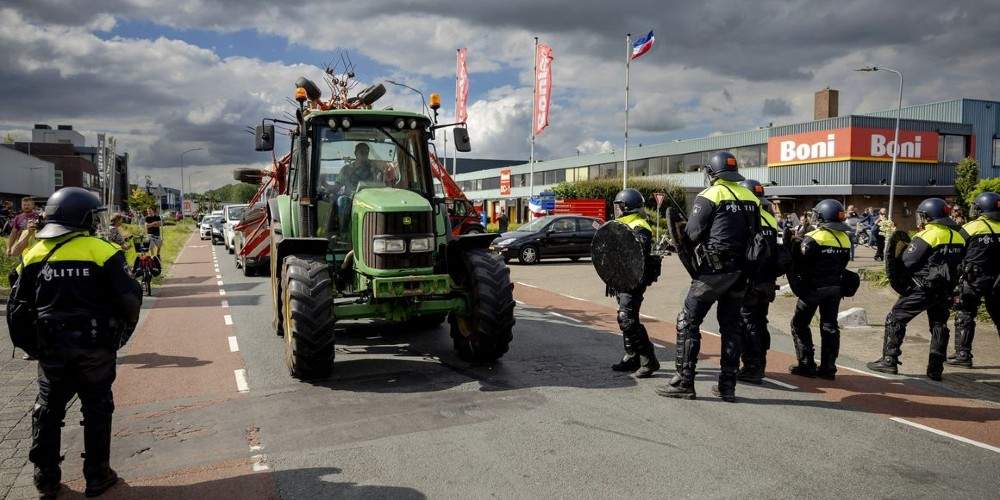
[659, 199]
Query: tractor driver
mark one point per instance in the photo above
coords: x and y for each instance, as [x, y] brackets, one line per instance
[362, 169]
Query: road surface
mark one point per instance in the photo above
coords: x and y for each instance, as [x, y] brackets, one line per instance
[206, 409]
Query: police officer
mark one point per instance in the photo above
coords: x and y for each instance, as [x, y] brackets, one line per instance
[980, 271]
[825, 254]
[933, 259]
[760, 294]
[639, 356]
[723, 222]
[74, 305]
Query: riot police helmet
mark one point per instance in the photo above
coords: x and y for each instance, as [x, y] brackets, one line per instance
[830, 214]
[628, 201]
[988, 204]
[755, 187]
[70, 209]
[723, 166]
[934, 211]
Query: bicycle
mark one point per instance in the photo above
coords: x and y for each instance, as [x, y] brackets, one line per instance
[146, 266]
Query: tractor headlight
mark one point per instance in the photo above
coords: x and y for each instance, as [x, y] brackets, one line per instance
[413, 124]
[400, 123]
[389, 245]
[421, 244]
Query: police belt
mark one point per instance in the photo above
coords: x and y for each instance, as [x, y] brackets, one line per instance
[714, 260]
[79, 324]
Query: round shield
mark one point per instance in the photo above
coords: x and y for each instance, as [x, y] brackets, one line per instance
[617, 256]
[682, 245]
[899, 278]
[794, 274]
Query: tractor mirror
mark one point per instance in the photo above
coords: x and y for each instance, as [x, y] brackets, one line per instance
[264, 138]
[462, 143]
[248, 175]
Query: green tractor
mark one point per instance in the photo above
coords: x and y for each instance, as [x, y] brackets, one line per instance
[358, 233]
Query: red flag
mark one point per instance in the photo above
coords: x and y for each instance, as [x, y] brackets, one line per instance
[461, 87]
[543, 87]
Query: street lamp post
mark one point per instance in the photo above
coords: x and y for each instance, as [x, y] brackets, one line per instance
[895, 148]
[182, 176]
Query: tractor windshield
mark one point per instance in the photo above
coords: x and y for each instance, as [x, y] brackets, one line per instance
[370, 156]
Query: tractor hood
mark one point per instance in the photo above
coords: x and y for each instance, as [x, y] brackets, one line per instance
[390, 200]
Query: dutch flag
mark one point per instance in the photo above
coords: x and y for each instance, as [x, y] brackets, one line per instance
[643, 45]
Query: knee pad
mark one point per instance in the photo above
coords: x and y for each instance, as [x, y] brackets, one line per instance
[829, 328]
[627, 321]
[98, 408]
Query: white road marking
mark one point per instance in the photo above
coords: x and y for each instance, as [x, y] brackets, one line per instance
[225, 303]
[946, 434]
[241, 380]
[518, 302]
[525, 284]
[648, 316]
[256, 447]
[870, 374]
[574, 298]
[220, 283]
[222, 292]
[711, 333]
[564, 317]
[780, 384]
[218, 276]
[228, 319]
[260, 463]
[234, 346]
[661, 346]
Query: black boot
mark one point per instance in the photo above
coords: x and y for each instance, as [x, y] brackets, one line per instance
[726, 388]
[806, 366]
[935, 366]
[97, 445]
[830, 348]
[629, 363]
[648, 364]
[965, 331]
[681, 386]
[46, 481]
[893, 339]
[938, 348]
[885, 364]
[751, 374]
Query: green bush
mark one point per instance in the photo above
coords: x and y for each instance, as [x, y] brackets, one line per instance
[876, 275]
[983, 186]
[966, 179]
[607, 189]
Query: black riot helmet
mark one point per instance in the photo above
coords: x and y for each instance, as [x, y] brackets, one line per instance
[723, 166]
[934, 210]
[988, 204]
[829, 214]
[628, 201]
[755, 187]
[70, 209]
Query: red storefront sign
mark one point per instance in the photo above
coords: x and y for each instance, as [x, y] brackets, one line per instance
[852, 143]
[504, 182]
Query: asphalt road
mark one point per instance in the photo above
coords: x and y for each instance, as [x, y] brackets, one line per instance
[402, 417]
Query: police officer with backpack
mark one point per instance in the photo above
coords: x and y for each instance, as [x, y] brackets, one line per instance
[825, 253]
[761, 293]
[722, 225]
[980, 280]
[639, 357]
[932, 259]
[73, 305]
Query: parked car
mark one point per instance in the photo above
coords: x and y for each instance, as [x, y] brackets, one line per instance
[231, 215]
[205, 226]
[550, 237]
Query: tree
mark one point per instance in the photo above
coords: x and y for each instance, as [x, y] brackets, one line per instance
[9, 138]
[966, 179]
[140, 200]
[985, 185]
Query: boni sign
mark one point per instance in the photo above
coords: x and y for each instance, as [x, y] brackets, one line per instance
[504, 182]
[851, 143]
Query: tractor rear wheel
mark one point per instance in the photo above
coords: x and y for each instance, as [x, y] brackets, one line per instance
[484, 332]
[307, 306]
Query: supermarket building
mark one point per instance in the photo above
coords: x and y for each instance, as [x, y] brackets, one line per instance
[842, 157]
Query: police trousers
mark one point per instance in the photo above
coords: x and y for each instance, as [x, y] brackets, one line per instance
[829, 331]
[634, 334]
[907, 307]
[728, 300]
[756, 338]
[969, 299]
[63, 373]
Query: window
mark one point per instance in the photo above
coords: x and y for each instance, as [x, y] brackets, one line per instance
[567, 225]
[522, 180]
[539, 178]
[692, 162]
[595, 171]
[554, 176]
[59, 177]
[748, 156]
[675, 164]
[951, 148]
[996, 152]
[609, 170]
[576, 174]
[491, 183]
[638, 168]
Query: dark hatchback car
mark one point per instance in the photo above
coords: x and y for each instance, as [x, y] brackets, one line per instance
[550, 237]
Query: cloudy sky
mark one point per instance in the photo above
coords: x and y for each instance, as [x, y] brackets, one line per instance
[166, 76]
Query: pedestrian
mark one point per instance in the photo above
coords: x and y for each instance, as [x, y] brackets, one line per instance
[979, 279]
[852, 222]
[639, 354]
[825, 253]
[932, 261]
[723, 221]
[153, 223]
[20, 224]
[958, 215]
[805, 226]
[503, 222]
[760, 294]
[73, 321]
[882, 222]
[118, 235]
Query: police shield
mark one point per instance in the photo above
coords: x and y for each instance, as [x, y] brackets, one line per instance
[617, 256]
[895, 271]
[794, 274]
[682, 245]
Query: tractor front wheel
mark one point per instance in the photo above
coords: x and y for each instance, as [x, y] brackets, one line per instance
[307, 316]
[483, 333]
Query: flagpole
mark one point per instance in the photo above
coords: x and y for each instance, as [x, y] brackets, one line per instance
[454, 162]
[534, 104]
[628, 60]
